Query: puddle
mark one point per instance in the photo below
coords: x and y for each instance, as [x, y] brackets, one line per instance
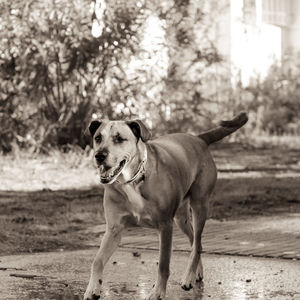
[64, 276]
[66, 294]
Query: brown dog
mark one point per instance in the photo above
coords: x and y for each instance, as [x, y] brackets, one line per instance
[150, 183]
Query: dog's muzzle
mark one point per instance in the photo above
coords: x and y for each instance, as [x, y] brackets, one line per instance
[111, 175]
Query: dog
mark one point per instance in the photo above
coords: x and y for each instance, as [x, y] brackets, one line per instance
[153, 183]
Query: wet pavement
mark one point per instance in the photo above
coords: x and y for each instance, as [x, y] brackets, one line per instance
[257, 258]
[64, 275]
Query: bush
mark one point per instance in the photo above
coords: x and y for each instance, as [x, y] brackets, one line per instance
[52, 69]
[275, 100]
[54, 74]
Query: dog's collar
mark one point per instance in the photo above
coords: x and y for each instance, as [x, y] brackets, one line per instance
[141, 169]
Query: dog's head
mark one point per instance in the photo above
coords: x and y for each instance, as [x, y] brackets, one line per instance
[115, 144]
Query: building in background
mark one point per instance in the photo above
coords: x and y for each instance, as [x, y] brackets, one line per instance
[251, 34]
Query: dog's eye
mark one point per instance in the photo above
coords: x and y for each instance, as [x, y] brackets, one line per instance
[117, 139]
[98, 139]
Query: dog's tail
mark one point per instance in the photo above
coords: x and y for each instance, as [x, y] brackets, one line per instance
[225, 128]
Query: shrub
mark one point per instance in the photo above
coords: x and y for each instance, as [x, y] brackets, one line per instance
[52, 68]
[275, 100]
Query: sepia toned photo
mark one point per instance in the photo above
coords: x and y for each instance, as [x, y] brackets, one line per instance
[149, 149]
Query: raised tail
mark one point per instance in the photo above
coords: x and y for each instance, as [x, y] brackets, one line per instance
[225, 128]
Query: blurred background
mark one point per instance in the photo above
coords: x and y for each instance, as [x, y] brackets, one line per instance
[179, 65]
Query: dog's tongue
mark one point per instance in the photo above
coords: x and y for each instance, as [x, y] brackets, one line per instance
[112, 173]
[108, 174]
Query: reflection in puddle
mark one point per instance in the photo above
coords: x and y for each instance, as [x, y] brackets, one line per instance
[239, 291]
[177, 293]
[144, 286]
[143, 291]
[120, 289]
[66, 294]
[42, 289]
[242, 290]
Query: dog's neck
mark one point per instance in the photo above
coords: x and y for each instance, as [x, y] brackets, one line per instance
[135, 169]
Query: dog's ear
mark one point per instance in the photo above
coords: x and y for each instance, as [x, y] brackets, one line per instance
[140, 130]
[91, 129]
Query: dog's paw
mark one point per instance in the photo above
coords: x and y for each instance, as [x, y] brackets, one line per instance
[156, 294]
[188, 282]
[199, 276]
[94, 297]
[93, 291]
[186, 286]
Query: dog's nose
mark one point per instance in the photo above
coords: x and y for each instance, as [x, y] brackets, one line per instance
[100, 157]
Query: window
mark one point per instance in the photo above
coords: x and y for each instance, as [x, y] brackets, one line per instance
[249, 11]
[276, 12]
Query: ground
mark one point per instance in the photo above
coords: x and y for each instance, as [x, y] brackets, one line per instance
[54, 202]
[51, 217]
[64, 275]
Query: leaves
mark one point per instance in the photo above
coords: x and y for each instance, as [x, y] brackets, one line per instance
[154, 60]
[52, 67]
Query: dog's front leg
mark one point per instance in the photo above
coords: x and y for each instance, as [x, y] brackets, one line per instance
[165, 243]
[109, 243]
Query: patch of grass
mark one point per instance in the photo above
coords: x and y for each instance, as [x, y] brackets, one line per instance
[23, 171]
[265, 140]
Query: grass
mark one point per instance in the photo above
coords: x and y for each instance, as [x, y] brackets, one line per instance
[266, 140]
[24, 171]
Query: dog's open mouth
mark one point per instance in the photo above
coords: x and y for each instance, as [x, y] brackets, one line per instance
[112, 175]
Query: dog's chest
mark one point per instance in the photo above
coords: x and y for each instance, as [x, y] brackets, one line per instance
[138, 206]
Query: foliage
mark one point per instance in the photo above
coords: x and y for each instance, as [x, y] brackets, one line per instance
[272, 101]
[54, 74]
[191, 53]
[51, 68]
[276, 98]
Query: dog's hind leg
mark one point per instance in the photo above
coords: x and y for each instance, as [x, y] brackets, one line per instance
[194, 271]
[199, 202]
[200, 213]
[183, 220]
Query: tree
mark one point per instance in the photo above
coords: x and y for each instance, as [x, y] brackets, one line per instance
[53, 70]
[55, 74]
